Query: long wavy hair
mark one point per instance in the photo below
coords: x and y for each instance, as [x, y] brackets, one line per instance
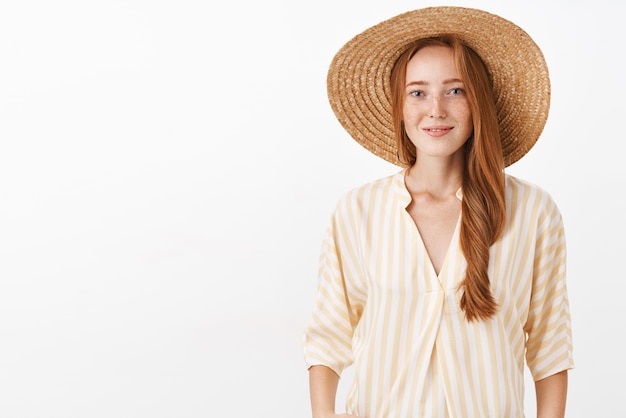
[483, 211]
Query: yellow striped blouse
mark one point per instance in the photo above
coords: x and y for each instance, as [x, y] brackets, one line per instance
[381, 307]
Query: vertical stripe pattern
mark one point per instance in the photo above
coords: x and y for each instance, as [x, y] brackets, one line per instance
[382, 308]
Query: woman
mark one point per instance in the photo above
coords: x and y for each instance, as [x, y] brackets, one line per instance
[439, 281]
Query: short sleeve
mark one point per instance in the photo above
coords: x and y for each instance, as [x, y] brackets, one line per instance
[548, 327]
[339, 301]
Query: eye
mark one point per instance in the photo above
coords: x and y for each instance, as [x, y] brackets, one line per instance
[416, 93]
[457, 91]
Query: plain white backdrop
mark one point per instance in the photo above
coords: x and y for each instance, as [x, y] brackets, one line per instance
[167, 170]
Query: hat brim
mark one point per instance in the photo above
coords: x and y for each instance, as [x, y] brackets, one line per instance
[358, 79]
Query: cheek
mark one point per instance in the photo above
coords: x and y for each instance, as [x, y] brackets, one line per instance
[462, 109]
[406, 112]
[411, 112]
[464, 114]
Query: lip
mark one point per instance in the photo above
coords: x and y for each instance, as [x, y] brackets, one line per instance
[437, 131]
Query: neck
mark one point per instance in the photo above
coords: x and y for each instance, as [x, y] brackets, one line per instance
[438, 178]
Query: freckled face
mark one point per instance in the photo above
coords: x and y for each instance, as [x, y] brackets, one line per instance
[436, 112]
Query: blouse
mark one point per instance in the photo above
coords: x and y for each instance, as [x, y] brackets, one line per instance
[381, 307]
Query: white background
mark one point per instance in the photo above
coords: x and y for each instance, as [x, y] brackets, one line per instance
[167, 169]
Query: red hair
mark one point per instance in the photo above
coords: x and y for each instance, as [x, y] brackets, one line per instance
[483, 213]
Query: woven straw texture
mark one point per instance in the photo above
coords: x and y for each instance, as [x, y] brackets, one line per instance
[359, 76]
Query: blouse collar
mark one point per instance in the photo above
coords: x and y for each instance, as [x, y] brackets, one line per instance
[403, 193]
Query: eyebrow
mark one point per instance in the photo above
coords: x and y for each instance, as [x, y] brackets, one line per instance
[446, 81]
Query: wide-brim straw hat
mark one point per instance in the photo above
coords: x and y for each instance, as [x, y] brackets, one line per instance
[359, 88]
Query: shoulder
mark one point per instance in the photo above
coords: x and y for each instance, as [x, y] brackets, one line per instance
[529, 198]
[525, 190]
[374, 191]
[367, 202]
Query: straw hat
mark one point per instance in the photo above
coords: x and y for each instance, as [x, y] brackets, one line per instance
[359, 76]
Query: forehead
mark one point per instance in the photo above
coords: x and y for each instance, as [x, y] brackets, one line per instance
[432, 54]
[432, 61]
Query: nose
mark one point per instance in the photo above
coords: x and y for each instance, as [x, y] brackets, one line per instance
[437, 108]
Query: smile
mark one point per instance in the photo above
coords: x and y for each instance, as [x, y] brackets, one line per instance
[437, 131]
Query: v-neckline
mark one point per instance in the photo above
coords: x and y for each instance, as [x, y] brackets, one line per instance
[452, 247]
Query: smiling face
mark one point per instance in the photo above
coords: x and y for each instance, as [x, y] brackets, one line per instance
[436, 112]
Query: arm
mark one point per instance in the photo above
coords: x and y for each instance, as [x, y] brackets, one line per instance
[551, 395]
[338, 306]
[549, 343]
[323, 384]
